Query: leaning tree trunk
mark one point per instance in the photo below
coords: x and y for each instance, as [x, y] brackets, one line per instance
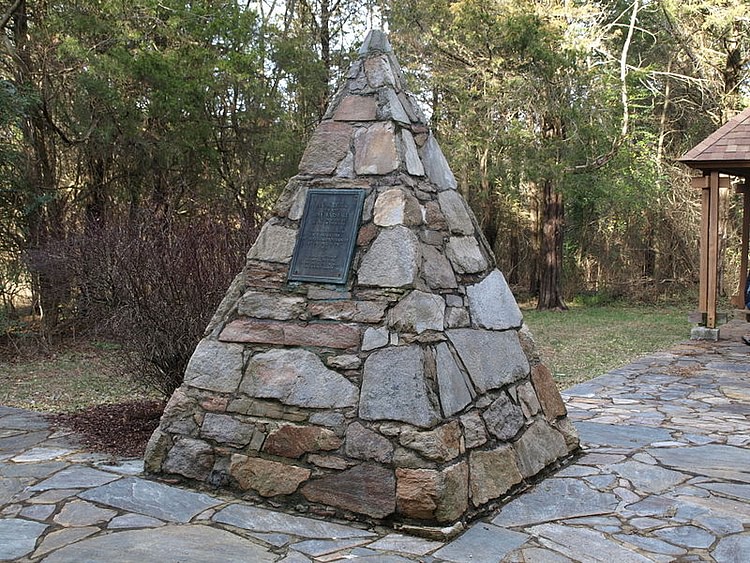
[550, 283]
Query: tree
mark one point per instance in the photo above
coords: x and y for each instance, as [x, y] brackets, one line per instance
[525, 86]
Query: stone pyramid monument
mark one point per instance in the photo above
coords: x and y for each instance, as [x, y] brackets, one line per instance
[369, 361]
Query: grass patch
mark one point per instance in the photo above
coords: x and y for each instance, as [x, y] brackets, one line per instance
[576, 345]
[67, 379]
[584, 341]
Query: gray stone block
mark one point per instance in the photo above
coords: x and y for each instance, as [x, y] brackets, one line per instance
[436, 166]
[274, 244]
[215, 366]
[394, 388]
[704, 333]
[465, 255]
[418, 312]
[453, 206]
[493, 359]
[492, 305]
[454, 388]
[392, 259]
[297, 377]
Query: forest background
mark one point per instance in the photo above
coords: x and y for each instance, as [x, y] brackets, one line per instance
[142, 144]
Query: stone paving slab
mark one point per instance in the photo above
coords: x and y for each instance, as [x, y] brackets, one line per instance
[664, 476]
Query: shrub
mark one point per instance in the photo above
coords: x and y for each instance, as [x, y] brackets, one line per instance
[152, 284]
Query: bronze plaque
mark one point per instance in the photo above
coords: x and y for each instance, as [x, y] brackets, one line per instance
[327, 233]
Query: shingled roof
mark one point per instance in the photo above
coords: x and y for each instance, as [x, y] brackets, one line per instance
[727, 149]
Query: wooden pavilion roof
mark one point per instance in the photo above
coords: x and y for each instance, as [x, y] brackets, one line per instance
[727, 149]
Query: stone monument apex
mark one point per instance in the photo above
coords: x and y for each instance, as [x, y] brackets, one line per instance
[369, 361]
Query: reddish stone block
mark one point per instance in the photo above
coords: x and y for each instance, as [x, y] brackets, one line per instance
[338, 335]
[368, 489]
[295, 441]
[547, 392]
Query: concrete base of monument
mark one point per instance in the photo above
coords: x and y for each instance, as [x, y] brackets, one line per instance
[705, 333]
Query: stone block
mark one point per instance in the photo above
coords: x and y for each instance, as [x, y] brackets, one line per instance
[539, 446]
[356, 108]
[454, 388]
[411, 155]
[396, 207]
[367, 445]
[374, 338]
[215, 366]
[436, 166]
[274, 244]
[180, 413]
[492, 305]
[329, 145]
[704, 333]
[454, 210]
[268, 478]
[375, 150]
[297, 377]
[454, 500]
[344, 362]
[379, 73]
[392, 259]
[465, 255]
[156, 451]
[569, 432]
[357, 311]
[297, 207]
[442, 444]
[417, 492]
[190, 458]
[368, 489]
[434, 218]
[328, 461]
[394, 388]
[267, 305]
[392, 108]
[475, 433]
[295, 441]
[418, 312]
[436, 269]
[251, 406]
[328, 335]
[492, 474]
[493, 359]
[503, 418]
[528, 399]
[226, 429]
[457, 317]
[547, 392]
[428, 494]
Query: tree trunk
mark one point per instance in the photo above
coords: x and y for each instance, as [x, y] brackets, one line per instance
[550, 283]
[534, 270]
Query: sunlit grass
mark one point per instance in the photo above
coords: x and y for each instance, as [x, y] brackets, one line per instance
[584, 342]
[67, 380]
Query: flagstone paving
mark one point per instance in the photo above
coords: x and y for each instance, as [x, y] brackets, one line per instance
[664, 476]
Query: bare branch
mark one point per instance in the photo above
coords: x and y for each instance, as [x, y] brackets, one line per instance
[603, 159]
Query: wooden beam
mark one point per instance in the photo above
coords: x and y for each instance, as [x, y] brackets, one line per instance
[704, 182]
[699, 182]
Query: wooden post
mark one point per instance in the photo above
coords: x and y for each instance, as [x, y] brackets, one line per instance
[713, 249]
[703, 287]
[745, 191]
